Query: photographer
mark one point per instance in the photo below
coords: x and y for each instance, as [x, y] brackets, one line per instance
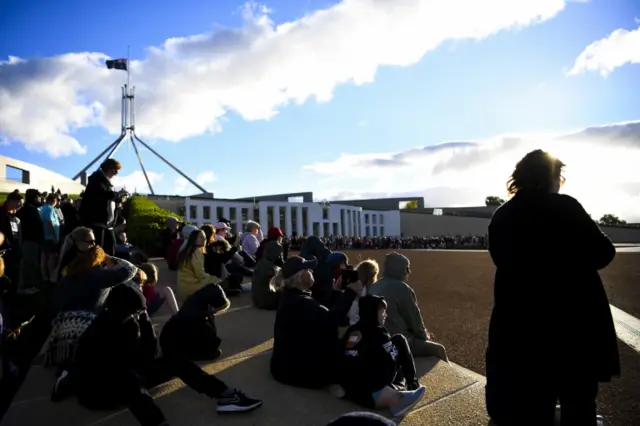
[99, 203]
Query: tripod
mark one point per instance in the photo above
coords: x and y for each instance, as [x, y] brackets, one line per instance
[128, 130]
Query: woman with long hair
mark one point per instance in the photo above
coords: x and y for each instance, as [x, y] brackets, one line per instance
[549, 301]
[79, 240]
[191, 272]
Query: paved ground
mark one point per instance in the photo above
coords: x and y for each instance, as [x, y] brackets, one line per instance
[454, 395]
[455, 294]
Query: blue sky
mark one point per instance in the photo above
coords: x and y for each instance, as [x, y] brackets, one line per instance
[514, 81]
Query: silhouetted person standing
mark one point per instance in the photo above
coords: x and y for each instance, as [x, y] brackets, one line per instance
[98, 206]
[551, 335]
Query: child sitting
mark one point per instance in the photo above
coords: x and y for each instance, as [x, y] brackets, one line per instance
[371, 360]
[153, 298]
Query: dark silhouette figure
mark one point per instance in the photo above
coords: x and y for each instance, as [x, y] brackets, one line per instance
[551, 335]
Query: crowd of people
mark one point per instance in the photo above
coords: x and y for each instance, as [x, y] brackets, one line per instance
[390, 243]
[352, 329]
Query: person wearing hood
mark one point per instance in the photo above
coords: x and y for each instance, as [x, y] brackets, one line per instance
[404, 315]
[273, 234]
[372, 358]
[117, 362]
[168, 235]
[263, 292]
[322, 289]
[306, 348]
[32, 240]
[191, 333]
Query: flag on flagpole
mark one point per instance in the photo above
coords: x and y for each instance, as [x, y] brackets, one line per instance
[117, 64]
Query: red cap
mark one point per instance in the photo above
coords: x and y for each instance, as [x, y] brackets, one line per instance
[275, 232]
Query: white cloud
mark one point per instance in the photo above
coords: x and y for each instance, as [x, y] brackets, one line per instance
[620, 48]
[602, 165]
[187, 85]
[136, 181]
[183, 187]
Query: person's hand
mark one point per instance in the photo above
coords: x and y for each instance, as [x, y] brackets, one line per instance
[430, 335]
[337, 283]
[356, 286]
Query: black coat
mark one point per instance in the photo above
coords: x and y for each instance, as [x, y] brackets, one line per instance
[306, 346]
[550, 309]
[94, 207]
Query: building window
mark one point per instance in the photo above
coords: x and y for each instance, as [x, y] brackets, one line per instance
[193, 212]
[367, 231]
[382, 231]
[375, 231]
[305, 221]
[366, 218]
[256, 214]
[342, 222]
[245, 215]
[335, 229]
[219, 213]
[294, 221]
[233, 213]
[327, 231]
[269, 217]
[283, 220]
[374, 219]
[355, 225]
[206, 212]
[316, 228]
[325, 212]
[381, 219]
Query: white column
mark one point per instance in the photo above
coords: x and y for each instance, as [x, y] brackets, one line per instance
[299, 220]
[264, 217]
[225, 213]
[276, 216]
[287, 221]
[321, 230]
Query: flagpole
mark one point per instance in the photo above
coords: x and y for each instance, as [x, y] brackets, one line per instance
[128, 69]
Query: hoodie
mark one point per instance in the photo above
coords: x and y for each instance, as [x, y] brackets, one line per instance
[322, 289]
[369, 357]
[120, 337]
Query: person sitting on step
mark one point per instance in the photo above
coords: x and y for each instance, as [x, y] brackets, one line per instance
[192, 331]
[306, 347]
[117, 362]
[404, 315]
[264, 293]
[155, 301]
[372, 360]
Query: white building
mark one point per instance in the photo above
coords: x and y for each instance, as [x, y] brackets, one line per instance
[301, 218]
[36, 177]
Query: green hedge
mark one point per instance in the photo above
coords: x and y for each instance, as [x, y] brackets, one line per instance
[145, 222]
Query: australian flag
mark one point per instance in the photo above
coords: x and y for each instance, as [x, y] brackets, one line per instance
[117, 64]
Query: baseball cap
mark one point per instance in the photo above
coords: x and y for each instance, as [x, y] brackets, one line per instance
[295, 264]
[221, 225]
[274, 232]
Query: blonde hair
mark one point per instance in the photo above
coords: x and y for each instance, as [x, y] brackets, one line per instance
[1, 267]
[140, 277]
[151, 273]
[278, 282]
[368, 271]
[78, 234]
[85, 261]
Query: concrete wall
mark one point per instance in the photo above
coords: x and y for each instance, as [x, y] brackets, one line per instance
[35, 177]
[425, 224]
[383, 203]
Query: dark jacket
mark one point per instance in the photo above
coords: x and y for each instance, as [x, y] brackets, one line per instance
[32, 227]
[263, 295]
[547, 251]
[120, 337]
[88, 292]
[213, 260]
[167, 236]
[97, 202]
[369, 358]
[11, 228]
[306, 345]
[71, 219]
[322, 289]
[191, 333]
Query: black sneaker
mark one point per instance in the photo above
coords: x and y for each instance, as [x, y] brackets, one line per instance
[413, 385]
[238, 403]
[62, 388]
